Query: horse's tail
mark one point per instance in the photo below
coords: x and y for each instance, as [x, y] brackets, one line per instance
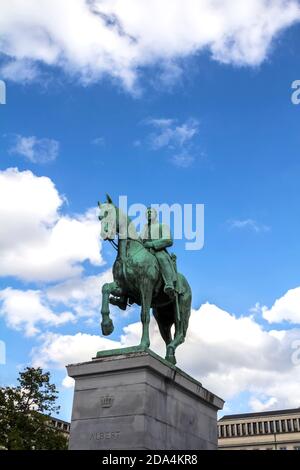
[185, 303]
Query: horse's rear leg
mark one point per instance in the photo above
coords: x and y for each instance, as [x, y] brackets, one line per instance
[163, 325]
[146, 297]
[180, 328]
[178, 339]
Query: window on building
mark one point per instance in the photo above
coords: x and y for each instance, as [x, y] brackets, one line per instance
[227, 430]
[266, 427]
[238, 428]
[295, 423]
[249, 428]
[283, 426]
[289, 425]
[260, 427]
[255, 429]
[244, 431]
[277, 427]
[272, 427]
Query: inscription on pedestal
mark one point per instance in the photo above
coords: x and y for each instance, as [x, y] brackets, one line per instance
[103, 436]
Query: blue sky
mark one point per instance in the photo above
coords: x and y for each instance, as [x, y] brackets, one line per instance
[90, 131]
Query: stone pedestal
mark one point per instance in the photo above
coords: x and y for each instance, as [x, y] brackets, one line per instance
[139, 401]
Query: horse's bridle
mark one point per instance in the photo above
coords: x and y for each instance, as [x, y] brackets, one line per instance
[115, 245]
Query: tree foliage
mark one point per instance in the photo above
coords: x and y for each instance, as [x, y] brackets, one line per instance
[25, 411]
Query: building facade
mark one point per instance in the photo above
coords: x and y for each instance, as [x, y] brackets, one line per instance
[272, 430]
[60, 425]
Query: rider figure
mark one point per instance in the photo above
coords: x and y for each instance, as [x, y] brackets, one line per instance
[157, 238]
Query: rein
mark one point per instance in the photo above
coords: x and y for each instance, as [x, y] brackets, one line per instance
[116, 245]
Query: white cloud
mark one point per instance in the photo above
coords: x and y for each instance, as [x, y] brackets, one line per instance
[24, 310]
[59, 350]
[229, 355]
[132, 334]
[68, 382]
[30, 310]
[259, 405]
[83, 295]
[99, 141]
[170, 134]
[175, 138]
[37, 243]
[286, 308]
[119, 37]
[23, 71]
[34, 149]
[249, 224]
[183, 160]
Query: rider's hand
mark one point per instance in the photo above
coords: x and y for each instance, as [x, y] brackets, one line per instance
[148, 245]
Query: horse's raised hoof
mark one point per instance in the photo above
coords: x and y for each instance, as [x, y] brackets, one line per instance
[170, 357]
[107, 327]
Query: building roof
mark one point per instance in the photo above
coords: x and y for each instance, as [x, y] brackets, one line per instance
[258, 415]
[53, 418]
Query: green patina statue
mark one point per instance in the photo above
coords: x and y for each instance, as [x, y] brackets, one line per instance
[145, 274]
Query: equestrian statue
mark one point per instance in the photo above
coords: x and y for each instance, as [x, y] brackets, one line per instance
[145, 274]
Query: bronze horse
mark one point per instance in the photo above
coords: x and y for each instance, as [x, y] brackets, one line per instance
[137, 276]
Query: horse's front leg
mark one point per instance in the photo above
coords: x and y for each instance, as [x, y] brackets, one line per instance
[146, 294]
[107, 325]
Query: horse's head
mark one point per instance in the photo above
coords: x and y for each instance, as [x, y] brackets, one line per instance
[115, 222]
[109, 219]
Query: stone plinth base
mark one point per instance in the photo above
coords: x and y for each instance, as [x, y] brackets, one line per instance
[139, 401]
